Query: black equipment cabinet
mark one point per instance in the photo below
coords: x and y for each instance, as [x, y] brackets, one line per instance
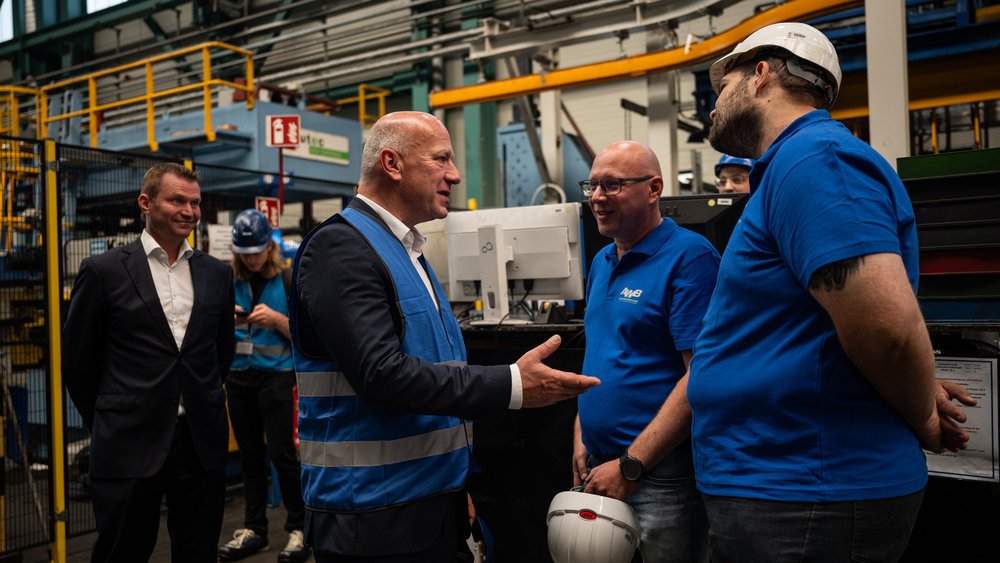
[956, 202]
[524, 457]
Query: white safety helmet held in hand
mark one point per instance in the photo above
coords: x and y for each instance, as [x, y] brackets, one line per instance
[586, 528]
[804, 41]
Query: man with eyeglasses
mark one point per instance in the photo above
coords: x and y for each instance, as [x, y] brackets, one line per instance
[646, 296]
[732, 174]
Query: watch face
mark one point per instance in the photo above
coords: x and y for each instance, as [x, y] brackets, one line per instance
[631, 468]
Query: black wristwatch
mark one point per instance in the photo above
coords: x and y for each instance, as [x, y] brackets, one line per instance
[631, 467]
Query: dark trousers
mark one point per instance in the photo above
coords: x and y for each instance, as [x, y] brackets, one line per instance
[128, 510]
[261, 404]
[440, 525]
[763, 531]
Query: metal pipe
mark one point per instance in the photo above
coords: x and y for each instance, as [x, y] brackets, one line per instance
[307, 70]
[637, 65]
[385, 63]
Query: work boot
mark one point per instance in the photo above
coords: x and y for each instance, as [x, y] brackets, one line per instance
[296, 551]
[245, 543]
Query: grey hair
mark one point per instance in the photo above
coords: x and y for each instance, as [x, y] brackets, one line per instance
[385, 134]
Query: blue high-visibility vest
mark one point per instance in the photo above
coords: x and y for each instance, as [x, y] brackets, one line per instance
[271, 350]
[355, 455]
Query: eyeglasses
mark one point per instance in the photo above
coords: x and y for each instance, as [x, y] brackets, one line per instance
[737, 181]
[611, 186]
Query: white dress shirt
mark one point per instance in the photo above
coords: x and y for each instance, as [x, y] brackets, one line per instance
[413, 242]
[173, 286]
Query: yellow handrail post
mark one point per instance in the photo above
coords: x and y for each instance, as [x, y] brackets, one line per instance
[150, 110]
[206, 63]
[54, 325]
[14, 111]
[251, 96]
[91, 102]
[934, 131]
[43, 115]
[977, 134]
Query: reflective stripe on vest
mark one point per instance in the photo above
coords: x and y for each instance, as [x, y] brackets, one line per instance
[357, 456]
[382, 452]
[334, 384]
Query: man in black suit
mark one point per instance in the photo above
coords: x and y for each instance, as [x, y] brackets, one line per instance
[146, 346]
[383, 384]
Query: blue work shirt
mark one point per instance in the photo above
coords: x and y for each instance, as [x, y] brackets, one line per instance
[641, 312]
[779, 411]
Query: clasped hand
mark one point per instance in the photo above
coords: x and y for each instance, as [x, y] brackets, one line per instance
[943, 430]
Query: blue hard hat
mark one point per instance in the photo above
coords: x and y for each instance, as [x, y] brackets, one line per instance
[251, 232]
[727, 160]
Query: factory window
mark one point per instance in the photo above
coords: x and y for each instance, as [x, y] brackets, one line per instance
[6, 20]
[96, 5]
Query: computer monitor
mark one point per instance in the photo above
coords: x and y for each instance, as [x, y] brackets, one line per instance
[536, 249]
[713, 216]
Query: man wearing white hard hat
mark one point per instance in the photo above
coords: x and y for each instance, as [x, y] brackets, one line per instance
[812, 384]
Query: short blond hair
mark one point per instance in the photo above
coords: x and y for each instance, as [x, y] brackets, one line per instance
[153, 177]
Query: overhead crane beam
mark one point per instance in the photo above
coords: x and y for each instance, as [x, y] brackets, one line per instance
[639, 65]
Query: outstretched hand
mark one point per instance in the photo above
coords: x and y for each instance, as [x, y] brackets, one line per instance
[542, 385]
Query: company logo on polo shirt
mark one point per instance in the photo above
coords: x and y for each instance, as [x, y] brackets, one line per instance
[630, 295]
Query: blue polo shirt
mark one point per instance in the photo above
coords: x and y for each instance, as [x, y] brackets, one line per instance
[641, 311]
[779, 411]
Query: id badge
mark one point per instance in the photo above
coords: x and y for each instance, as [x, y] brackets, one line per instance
[244, 348]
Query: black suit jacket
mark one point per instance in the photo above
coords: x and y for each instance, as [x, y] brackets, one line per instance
[348, 310]
[125, 373]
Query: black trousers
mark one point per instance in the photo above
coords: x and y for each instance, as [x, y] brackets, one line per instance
[261, 404]
[443, 525]
[128, 510]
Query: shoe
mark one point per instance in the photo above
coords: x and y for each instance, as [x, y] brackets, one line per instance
[244, 544]
[296, 551]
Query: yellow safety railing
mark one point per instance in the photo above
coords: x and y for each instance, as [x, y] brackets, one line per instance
[367, 93]
[11, 109]
[93, 109]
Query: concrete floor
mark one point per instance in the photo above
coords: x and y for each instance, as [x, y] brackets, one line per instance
[78, 548]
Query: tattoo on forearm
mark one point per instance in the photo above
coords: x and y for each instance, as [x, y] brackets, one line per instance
[833, 276]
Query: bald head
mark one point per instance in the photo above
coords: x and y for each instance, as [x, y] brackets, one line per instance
[399, 131]
[408, 167]
[637, 158]
[634, 211]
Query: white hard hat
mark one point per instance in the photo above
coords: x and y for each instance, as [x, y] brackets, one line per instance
[804, 41]
[586, 528]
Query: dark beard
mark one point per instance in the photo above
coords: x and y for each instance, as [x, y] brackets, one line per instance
[739, 135]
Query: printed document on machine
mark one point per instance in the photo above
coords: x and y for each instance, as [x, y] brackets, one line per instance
[979, 462]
